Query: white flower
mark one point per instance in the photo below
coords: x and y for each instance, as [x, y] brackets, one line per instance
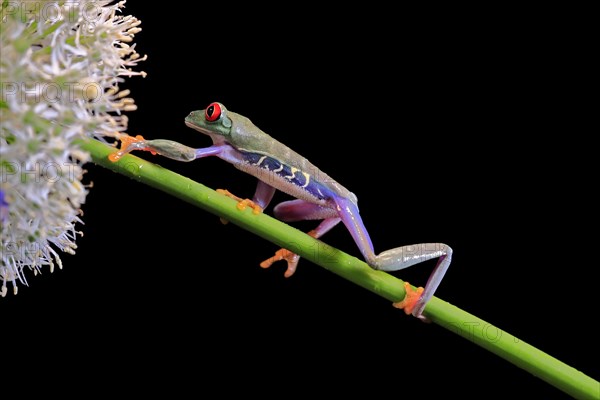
[60, 69]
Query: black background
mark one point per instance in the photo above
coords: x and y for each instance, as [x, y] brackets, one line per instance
[444, 126]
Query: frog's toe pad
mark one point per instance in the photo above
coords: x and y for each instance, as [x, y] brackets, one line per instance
[410, 299]
[242, 203]
[283, 254]
[128, 143]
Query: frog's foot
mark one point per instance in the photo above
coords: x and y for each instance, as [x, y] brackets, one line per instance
[410, 300]
[284, 254]
[128, 144]
[242, 203]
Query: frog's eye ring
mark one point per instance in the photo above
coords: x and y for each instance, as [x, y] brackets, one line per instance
[213, 112]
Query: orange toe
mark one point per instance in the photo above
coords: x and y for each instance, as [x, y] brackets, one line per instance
[410, 299]
[242, 203]
[283, 254]
[126, 141]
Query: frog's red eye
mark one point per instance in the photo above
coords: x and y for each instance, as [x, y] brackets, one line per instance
[213, 112]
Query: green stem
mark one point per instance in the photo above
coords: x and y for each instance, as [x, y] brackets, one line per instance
[514, 350]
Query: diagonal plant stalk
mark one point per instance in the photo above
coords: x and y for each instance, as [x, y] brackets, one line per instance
[482, 333]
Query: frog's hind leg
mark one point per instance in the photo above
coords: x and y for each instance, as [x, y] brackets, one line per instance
[298, 210]
[398, 258]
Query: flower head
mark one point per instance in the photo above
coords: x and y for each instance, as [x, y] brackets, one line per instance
[60, 70]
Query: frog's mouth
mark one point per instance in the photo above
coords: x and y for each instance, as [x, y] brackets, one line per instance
[197, 127]
[216, 138]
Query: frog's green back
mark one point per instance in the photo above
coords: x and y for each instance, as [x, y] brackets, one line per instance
[247, 137]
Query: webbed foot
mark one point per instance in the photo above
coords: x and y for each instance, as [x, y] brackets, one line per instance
[242, 203]
[128, 144]
[410, 301]
[283, 254]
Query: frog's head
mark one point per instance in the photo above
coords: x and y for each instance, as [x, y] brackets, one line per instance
[212, 121]
[225, 126]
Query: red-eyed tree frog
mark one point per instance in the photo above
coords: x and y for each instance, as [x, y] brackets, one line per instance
[317, 196]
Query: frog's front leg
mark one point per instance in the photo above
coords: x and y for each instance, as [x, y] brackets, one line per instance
[262, 197]
[166, 148]
[398, 258]
[263, 194]
[297, 210]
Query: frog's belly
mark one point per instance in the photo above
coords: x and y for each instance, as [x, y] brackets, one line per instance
[290, 180]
